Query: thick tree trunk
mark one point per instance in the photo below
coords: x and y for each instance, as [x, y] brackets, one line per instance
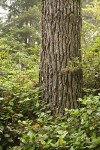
[60, 64]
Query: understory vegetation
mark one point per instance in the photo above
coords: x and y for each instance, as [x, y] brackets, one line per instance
[25, 122]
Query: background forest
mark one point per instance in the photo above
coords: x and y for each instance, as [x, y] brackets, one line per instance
[25, 123]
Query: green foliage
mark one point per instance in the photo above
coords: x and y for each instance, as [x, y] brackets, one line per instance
[18, 88]
[23, 21]
[25, 123]
[91, 46]
[76, 130]
[91, 68]
[19, 67]
[18, 101]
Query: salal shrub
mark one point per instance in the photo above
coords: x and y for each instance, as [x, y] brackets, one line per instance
[77, 129]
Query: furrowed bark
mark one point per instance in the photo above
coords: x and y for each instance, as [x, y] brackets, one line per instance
[60, 75]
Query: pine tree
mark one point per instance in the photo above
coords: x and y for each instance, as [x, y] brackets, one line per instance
[24, 21]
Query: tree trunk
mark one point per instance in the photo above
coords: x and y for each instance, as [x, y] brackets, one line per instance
[60, 64]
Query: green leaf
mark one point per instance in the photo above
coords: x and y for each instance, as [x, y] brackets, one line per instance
[72, 148]
[60, 132]
[11, 103]
[1, 128]
[0, 147]
[7, 135]
[60, 140]
[1, 98]
[30, 134]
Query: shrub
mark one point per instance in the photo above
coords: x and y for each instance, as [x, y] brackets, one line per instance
[76, 130]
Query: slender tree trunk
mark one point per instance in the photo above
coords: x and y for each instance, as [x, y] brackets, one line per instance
[60, 64]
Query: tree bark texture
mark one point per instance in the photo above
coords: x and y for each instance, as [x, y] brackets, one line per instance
[61, 38]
